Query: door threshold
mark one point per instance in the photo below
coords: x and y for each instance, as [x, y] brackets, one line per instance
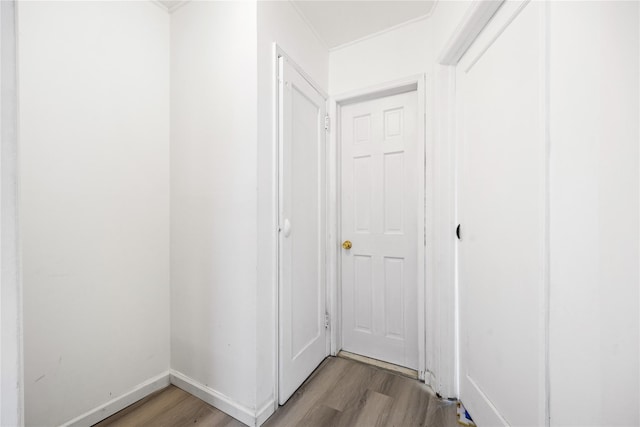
[407, 372]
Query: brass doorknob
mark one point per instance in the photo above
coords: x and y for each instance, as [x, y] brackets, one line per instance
[347, 244]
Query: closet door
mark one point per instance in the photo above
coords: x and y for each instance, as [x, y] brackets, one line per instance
[379, 165]
[501, 206]
[303, 343]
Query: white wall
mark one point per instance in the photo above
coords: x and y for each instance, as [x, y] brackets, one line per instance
[94, 171]
[390, 56]
[594, 323]
[214, 198]
[11, 402]
[278, 22]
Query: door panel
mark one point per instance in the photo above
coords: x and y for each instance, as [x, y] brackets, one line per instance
[379, 191]
[302, 191]
[501, 210]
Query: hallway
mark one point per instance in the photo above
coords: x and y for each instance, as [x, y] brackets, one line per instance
[202, 201]
[340, 392]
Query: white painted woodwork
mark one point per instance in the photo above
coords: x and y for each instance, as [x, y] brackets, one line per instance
[378, 60]
[246, 415]
[11, 363]
[119, 403]
[478, 14]
[379, 172]
[447, 23]
[278, 22]
[377, 65]
[500, 90]
[303, 343]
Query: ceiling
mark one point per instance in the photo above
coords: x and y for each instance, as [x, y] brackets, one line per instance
[341, 22]
[337, 22]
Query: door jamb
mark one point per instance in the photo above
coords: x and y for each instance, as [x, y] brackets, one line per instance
[445, 329]
[424, 205]
[11, 286]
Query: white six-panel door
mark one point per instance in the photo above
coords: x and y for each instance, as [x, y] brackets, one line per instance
[379, 194]
[302, 333]
[500, 96]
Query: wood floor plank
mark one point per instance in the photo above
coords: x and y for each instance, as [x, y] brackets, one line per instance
[349, 390]
[319, 416]
[310, 393]
[147, 408]
[170, 407]
[340, 393]
[443, 414]
[186, 412]
[411, 401]
[375, 410]
[408, 402]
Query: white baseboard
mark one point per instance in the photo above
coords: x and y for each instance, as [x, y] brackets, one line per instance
[214, 398]
[430, 380]
[265, 412]
[224, 403]
[119, 403]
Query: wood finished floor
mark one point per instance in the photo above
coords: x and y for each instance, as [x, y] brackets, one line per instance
[339, 393]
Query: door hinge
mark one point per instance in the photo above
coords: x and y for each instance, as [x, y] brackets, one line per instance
[326, 320]
[326, 122]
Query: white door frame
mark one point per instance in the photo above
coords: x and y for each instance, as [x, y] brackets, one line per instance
[444, 330]
[278, 53]
[11, 345]
[334, 279]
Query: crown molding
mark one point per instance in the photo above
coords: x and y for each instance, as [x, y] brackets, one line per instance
[383, 31]
[360, 39]
[304, 18]
[175, 5]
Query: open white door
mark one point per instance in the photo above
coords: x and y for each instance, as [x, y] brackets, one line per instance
[302, 136]
[500, 91]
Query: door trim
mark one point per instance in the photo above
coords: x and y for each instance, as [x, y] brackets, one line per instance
[11, 286]
[424, 205]
[443, 332]
[476, 18]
